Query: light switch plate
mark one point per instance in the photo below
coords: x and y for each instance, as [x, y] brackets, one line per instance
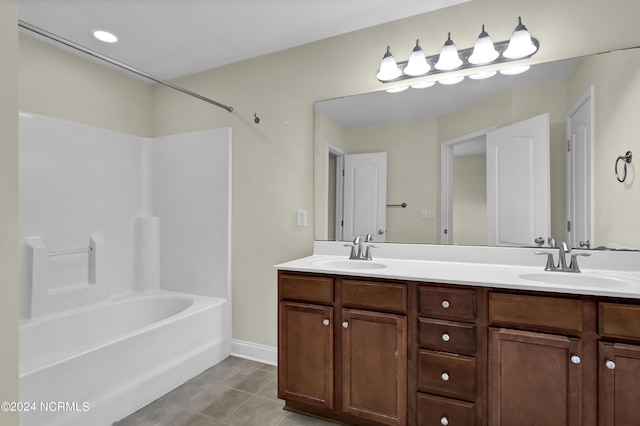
[301, 217]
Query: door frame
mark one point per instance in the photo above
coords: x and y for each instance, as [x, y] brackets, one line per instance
[339, 190]
[587, 96]
[446, 181]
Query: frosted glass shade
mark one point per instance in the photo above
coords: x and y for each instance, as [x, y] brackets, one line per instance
[388, 67]
[449, 59]
[451, 81]
[483, 51]
[515, 70]
[483, 75]
[398, 89]
[520, 44]
[423, 85]
[417, 64]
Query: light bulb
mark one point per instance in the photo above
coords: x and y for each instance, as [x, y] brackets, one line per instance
[515, 70]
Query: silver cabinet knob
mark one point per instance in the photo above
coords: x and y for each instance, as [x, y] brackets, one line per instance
[575, 359]
[610, 364]
[444, 421]
[445, 377]
[325, 322]
[446, 337]
[345, 324]
[445, 304]
[380, 231]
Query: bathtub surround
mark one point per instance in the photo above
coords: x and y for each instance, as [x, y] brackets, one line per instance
[124, 245]
[162, 206]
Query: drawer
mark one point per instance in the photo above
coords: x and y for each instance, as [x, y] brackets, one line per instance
[537, 311]
[436, 411]
[447, 336]
[374, 295]
[444, 302]
[306, 288]
[447, 374]
[619, 320]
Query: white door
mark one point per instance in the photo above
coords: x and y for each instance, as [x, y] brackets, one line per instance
[518, 184]
[579, 172]
[365, 195]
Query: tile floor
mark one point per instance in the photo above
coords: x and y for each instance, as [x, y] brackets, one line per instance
[234, 392]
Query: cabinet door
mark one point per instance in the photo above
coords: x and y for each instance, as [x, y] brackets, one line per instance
[534, 379]
[619, 396]
[305, 354]
[374, 366]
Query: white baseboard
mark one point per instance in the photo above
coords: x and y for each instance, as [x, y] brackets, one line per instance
[254, 352]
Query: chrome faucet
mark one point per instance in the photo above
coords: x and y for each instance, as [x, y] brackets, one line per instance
[358, 251]
[563, 251]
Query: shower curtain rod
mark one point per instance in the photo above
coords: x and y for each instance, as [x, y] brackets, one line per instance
[95, 54]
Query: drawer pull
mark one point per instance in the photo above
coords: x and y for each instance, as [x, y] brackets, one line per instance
[444, 421]
[575, 359]
[445, 304]
[446, 337]
[325, 322]
[445, 376]
[610, 364]
[345, 324]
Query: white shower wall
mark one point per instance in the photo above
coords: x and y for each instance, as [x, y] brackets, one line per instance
[76, 180]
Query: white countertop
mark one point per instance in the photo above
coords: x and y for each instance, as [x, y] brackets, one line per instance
[605, 275]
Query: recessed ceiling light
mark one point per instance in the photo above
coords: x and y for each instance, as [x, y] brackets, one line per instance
[105, 36]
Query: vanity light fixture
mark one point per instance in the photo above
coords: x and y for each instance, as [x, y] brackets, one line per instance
[104, 36]
[417, 64]
[448, 59]
[485, 52]
[388, 67]
[521, 44]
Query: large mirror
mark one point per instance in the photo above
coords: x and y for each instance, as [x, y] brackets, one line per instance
[453, 164]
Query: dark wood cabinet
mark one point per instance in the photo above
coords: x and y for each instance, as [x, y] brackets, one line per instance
[306, 354]
[366, 351]
[534, 379]
[374, 366]
[342, 348]
[619, 375]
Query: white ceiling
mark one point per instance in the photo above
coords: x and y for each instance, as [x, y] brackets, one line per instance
[172, 38]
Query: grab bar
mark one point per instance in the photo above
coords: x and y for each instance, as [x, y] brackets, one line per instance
[69, 251]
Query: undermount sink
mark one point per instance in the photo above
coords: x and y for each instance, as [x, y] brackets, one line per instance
[349, 264]
[581, 279]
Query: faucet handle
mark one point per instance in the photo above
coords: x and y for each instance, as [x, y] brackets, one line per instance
[356, 240]
[573, 266]
[352, 255]
[368, 238]
[367, 254]
[550, 266]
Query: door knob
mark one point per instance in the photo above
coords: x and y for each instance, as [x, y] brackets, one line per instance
[325, 322]
[446, 337]
[380, 231]
[610, 364]
[444, 421]
[575, 359]
[345, 324]
[445, 304]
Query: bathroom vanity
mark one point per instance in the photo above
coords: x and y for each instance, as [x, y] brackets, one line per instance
[489, 340]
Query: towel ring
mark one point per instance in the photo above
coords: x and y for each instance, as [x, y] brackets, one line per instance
[625, 160]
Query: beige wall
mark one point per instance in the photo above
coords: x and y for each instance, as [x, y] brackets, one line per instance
[413, 167]
[273, 161]
[59, 84]
[617, 102]
[470, 200]
[8, 208]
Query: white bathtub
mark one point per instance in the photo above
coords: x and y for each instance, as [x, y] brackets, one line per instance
[107, 360]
